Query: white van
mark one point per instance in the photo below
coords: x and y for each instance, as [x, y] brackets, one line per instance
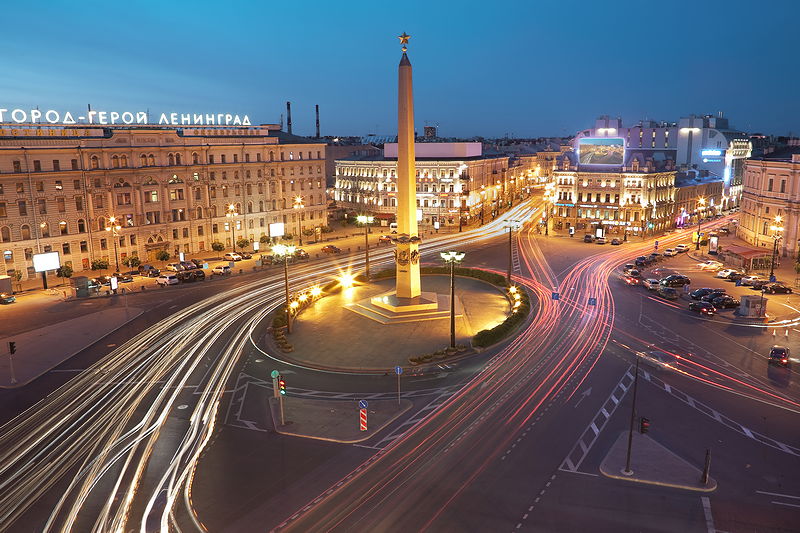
[393, 227]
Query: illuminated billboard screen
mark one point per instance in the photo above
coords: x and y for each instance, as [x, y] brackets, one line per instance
[601, 151]
[47, 261]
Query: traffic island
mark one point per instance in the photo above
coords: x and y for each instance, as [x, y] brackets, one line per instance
[333, 420]
[653, 464]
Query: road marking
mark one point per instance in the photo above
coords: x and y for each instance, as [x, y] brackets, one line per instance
[786, 504]
[778, 494]
[707, 512]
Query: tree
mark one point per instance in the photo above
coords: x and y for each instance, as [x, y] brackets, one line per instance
[18, 279]
[100, 264]
[264, 239]
[217, 246]
[64, 271]
[326, 229]
[132, 261]
[797, 267]
[243, 243]
[308, 232]
[162, 255]
[288, 237]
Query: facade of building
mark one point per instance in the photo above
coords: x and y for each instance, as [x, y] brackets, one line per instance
[772, 189]
[177, 189]
[452, 178]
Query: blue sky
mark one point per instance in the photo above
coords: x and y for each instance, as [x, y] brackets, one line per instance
[528, 68]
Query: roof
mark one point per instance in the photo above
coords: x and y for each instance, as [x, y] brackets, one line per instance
[784, 153]
[288, 138]
[743, 251]
[382, 158]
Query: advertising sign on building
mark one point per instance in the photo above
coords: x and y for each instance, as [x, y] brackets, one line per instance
[46, 261]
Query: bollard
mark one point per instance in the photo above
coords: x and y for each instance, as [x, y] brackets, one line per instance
[706, 468]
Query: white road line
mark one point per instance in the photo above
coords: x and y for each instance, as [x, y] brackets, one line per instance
[778, 494]
[707, 512]
[786, 504]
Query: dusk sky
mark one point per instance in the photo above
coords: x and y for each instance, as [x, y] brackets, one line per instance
[480, 68]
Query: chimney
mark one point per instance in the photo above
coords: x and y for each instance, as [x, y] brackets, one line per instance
[316, 107]
[289, 117]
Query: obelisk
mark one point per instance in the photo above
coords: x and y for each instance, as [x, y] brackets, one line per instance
[407, 253]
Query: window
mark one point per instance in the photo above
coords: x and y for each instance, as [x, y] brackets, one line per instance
[783, 185]
[177, 159]
[174, 233]
[62, 228]
[258, 157]
[5, 234]
[76, 184]
[23, 208]
[61, 203]
[151, 160]
[195, 158]
[170, 160]
[235, 158]
[84, 246]
[150, 196]
[114, 161]
[81, 226]
[185, 233]
[26, 232]
[59, 185]
[56, 165]
[178, 215]
[42, 205]
[199, 231]
[103, 244]
[45, 227]
[20, 188]
[94, 162]
[211, 159]
[124, 198]
[99, 201]
[17, 166]
[123, 161]
[176, 194]
[152, 217]
[769, 184]
[222, 158]
[39, 186]
[37, 165]
[98, 183]
[197, 193]
[74, 163]
[212, 192]
[3, 211]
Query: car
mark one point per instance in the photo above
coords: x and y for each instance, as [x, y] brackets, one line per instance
[197, 262]
[246, 255]
[779, 355]
[759, 284]
[384, 239]
[776, 288]
[175, 267]
[725, 272]
[681, 248]
[724, 231]
[642, 261]
[725, 302]
[186, 276]
[668, 293]
[630, 280]
[670, 252]
[232, 256]
[627, 267]
[704, 308]
[675, 280]
[699, 293]
[188, 265]
[123, 278]
[600, 240]
[735, 276]
[710, 265]
[716, 293]
[167, 279]
[300, 254]
[658, 359]
[221, 269]
[751, 279]
[149, 271]
[616, 242]
[6, 298]
[651, 284]
[198, 274]
[655, 256]
[331, 249]
[393, 227]
[101, 280]
[588, 238]
[634, 273]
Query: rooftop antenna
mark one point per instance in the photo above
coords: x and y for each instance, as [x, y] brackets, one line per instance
[289, 117]
[316, 107]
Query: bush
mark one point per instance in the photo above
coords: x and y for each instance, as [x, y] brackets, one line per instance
[243, 243]
[308, 232]
[100, 264]
[326, 229]
[64, 271]
[263, 239]
[487, 337]
[162, 255]
[132, 261]
[288, 237]
[217, 246]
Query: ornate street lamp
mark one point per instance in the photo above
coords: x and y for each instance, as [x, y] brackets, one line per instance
[511, 225]
[777, 233]
[231, 214]
[366, 220]
[114, 228]
[701, 204]
[284, 252]
[298, 204]
[452, 258]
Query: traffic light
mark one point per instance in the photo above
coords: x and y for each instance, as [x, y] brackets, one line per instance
[644, 425]
[282, 385]
[12, 347]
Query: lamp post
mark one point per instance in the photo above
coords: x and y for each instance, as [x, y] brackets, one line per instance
[284, 252]
[452, 258]
[549, 197]
[777, 230]
[701, 202]
[366, 220]
[114, 228]
[230, 215]
[298, 204]
[511, 225]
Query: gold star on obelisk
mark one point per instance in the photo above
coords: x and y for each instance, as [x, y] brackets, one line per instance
[404, 40]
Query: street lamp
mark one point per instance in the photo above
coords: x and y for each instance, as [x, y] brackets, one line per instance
[549, 198]
[113, 228]
[298, 204]
[365, 220]
[511, 225]
[230, 214]
[701, 203]
[452, 258]
[284, 252]
[777, 230]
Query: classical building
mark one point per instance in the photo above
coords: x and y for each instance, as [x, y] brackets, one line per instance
[177, 189]
[451, 178]
[772, 188]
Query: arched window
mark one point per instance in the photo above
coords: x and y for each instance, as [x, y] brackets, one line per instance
[195, 158]
[94, 162]
[143, 160]
[199, 212]
[238, 207]
[260, 206]
[272, 156]
[177, 159]
[213, 210]
[249, 189]
[249, 207]
[247, 174]
[236, 189]
[81, 226]
[151, 160]
[26, 232]
[283, 203]
[114, 161]
[123, 161]
[101, 224]
[5, 234]
[274, 205]
[45, 227]
[170, 160]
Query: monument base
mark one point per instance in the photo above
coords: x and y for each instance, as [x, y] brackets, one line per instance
[387, 308]
[426, 301]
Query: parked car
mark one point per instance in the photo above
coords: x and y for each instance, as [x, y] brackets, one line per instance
[102, 280]
[186, 276]
[704, 308]
[634, 273]
[668, 292]
[713, 295]
[699, 293]
[588, 238]
[725, 302]
[630, 280]
[779, 355]
[600, 240]
[642, 261]
[681, 248]
[725, 272]
[175, 267]
[167, 279]
[149, 271]
[616, 242]
[670, 252]
[198, 274]
[751, 280]
[735, 276]
[658, 359]
[246, 255]
[675, 280]
[331, 249]
[628, 267]
[123, 278]
[221, 269]
[651, 284]
[300, 254]
[6, 298]
[197, 262]
[384, 239]
[710, 265]
[232, 256]
[776, 288]
[655, 256]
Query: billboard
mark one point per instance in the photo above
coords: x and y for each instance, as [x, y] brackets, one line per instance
[601, 151]
[276, 229]
[48, 261]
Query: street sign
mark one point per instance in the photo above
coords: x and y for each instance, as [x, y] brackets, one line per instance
[398, 370]
[275, 374]
[363, 419]
[592, 301]
[362, 404]
[655, 245]
[556, 296]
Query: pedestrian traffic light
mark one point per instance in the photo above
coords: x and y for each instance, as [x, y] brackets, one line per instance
[12, 347]
[644, 425]
[282, 385]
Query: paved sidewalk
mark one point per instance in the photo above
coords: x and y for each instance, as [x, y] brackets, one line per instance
[42, 349]
[334, 420]
[652, 464]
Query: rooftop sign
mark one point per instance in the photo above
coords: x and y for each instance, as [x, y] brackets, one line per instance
[52, 116]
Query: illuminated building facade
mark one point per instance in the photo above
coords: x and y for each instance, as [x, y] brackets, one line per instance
[169, 188]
